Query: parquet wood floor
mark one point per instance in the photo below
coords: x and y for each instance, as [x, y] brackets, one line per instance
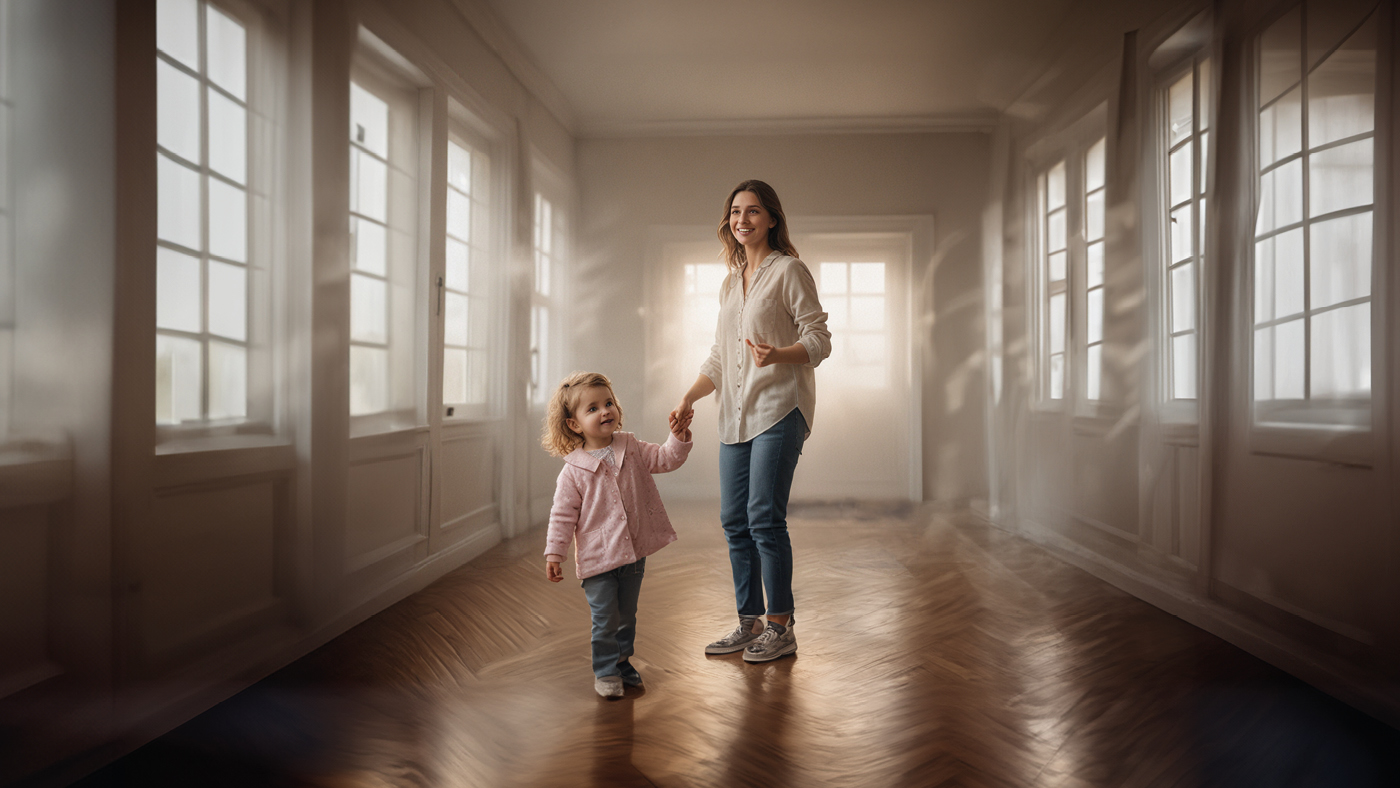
[934, 650]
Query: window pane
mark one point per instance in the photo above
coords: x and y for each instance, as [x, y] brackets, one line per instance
[1203, 88]
[1057, 323]
[1329, 21]
[868, 313]
[1263, 364]
[1095, 316]
[1184, 298]
[228, 67]
[1341, 92]
[180, 206]
[1280, 197]
[369, 380]
[833, 279]
[1095, 264]
[478, 325]
[1057, 266]
[459, 216]
[228, 221]
[177, 30]
[1288, 360]
[546, 219]
[868, 278]
[457, 271]
[454, 375]
[867, 349]
[369, 121]
[1341, 177]
[1055, 187]
[542, 273]
[459, 167]
[178, 298]
[476, 377]
[455, 324]
[1179, 114]
[1205, 159]
[228, 300]
[369, 185]
[1181, 234]
[179, 369]
[1094, 216]
[1057, 376]
[1288, 273]
[1280, 58]
[1181, 166]
[228, 381]
[1184, 366]
[177, 111]
[1056, 236]
[1093, 388]
[1341, 352]
[370, 246]
[368, 309]
[838, 317]
[710, 277]
[1340, 260]
[228, 138]
[1094, 166]
[1264, 280]
[1281, 128]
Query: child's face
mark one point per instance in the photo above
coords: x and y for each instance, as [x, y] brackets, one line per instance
[595, 417]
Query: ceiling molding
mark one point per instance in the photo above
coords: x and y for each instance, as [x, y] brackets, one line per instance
[500, 40]
[983, 122]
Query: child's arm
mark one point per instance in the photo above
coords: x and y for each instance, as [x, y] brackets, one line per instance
[668, 457]
[563, 521]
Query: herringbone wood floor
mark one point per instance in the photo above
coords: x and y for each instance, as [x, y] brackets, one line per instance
[934, 650]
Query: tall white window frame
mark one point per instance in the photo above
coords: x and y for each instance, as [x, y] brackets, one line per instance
[1094, 289]
[213, 365]
[854, 297]
[1314, 245]
[1183, 110]
[390, 111]
[550, 245]
[472, 294]
[1052, 266]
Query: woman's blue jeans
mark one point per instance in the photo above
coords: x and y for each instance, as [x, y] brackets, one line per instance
[612, 596]
[754, 481]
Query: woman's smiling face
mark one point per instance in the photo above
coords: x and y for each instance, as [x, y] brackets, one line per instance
[749, 220]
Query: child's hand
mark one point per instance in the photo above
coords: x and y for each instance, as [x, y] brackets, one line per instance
[553, 572]
[680, 427]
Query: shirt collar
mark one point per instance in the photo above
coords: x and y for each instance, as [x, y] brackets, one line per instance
[582, 459]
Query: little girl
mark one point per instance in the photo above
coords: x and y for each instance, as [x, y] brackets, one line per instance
[607, 504]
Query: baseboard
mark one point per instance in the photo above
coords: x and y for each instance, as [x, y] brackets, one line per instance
[1321, 670]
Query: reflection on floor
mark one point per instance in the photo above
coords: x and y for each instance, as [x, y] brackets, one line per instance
[934, 650]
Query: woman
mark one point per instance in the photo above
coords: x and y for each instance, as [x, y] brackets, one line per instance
[771, 334]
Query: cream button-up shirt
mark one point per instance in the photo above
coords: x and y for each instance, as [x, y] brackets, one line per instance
[780, 309]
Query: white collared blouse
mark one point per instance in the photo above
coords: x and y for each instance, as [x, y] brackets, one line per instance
[780, 309]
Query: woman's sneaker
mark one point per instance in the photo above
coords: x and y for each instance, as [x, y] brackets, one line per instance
[736, 640]
[776, 641]
[608, 686]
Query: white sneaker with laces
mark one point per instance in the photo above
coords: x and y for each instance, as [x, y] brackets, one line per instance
[736, 640]
[776, 641]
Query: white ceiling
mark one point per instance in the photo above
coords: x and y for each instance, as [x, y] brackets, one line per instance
[657, 66]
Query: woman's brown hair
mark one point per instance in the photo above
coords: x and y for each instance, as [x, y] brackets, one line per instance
[778, 239]
[556, 436]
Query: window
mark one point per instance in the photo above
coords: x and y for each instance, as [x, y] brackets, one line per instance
[1094, 269]
[853, 295]
[549, 231]
[702, 287]
[203, 264]
[384, 251]
[467, 283]
[1054, 271]
[1313, 247]
[1186, 138]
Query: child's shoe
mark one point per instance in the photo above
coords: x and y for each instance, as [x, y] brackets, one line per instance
[776, 641]
[608, 686]
[630, 676]
[736, 640]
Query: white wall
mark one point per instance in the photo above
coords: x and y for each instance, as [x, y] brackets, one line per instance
[630, 186]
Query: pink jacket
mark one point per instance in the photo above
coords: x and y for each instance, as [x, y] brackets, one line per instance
[614, 517]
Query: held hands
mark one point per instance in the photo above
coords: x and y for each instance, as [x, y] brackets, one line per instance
[553, 572]
[680, 425]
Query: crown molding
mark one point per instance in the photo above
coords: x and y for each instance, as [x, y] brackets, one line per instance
[517, 59]
[915, 124]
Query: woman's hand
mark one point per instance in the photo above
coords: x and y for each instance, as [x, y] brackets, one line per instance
[553, 572]
[766, 355]
[683, 413]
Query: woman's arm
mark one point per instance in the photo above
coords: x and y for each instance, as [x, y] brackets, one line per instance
[702, 388]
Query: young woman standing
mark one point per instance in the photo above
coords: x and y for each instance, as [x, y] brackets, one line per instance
[771, 334]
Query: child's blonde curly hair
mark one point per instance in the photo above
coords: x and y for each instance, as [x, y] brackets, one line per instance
[556, 436]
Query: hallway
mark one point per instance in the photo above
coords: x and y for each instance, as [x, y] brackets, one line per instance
[934, 650]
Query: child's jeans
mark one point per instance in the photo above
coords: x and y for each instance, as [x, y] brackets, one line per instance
[613, 598]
